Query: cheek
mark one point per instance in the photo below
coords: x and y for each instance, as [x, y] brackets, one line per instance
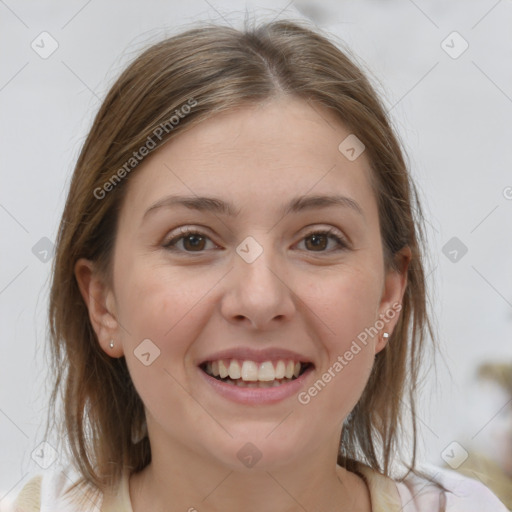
[346, 303]
[157, 304]
[345, 308]
[170, 310]
[157, 308]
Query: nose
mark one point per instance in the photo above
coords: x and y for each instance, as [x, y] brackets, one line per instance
[258, 294]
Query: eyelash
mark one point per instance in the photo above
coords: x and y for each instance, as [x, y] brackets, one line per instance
[331, 233]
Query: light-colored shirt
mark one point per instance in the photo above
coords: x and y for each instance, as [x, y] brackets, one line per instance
[45, 493]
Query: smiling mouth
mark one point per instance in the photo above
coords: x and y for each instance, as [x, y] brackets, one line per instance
[249, 374]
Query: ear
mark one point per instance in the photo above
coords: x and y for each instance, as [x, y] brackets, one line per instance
[100, 302]
[395, 283]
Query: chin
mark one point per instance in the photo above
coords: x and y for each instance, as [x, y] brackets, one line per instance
[256, 453]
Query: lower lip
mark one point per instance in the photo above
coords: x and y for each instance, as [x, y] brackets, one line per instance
[256, 395]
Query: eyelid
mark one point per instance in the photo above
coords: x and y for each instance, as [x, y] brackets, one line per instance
[183, 232]
[332, 233]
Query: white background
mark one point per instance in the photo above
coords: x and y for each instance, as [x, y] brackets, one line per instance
[454, 116]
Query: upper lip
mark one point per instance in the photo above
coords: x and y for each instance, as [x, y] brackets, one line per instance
[258, 356]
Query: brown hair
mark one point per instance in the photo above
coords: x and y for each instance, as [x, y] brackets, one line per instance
[216, 69]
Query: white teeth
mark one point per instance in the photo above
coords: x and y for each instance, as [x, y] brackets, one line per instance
[280, 370]
[266, 371]
[290, 367]
[249, 371]
[234, 370]
[270, 384]
[223, 371]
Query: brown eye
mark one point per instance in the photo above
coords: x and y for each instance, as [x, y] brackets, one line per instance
[315, 241]
[320, 240]
[193, 241]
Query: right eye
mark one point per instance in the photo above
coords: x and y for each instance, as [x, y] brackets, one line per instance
[192, 239]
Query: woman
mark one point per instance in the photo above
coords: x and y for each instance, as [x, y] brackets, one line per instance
[238, 306]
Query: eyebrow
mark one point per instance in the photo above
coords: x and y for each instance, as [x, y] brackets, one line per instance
[218, 206]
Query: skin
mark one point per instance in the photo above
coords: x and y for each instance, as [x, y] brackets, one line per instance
[193, 302]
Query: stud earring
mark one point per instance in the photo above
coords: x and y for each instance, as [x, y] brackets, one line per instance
[111, 344]
[385, 336]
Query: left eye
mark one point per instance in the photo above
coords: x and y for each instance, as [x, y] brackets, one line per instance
[320, 239]
[194, 241]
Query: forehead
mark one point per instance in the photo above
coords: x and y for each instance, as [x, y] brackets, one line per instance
[254, 156]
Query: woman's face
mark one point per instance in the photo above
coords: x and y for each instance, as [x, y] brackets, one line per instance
[257, 283]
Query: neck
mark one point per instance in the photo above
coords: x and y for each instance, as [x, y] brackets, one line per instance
[190, 482]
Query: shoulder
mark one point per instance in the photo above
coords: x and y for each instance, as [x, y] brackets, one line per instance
[460, 493]
[55, 491]
[29, 498]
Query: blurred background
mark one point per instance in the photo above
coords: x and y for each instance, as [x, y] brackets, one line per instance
[444, 71]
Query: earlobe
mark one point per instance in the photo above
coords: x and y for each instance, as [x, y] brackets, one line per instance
[395, 283]
[101, 305]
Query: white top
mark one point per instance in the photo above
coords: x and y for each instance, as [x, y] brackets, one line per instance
[44, 493]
